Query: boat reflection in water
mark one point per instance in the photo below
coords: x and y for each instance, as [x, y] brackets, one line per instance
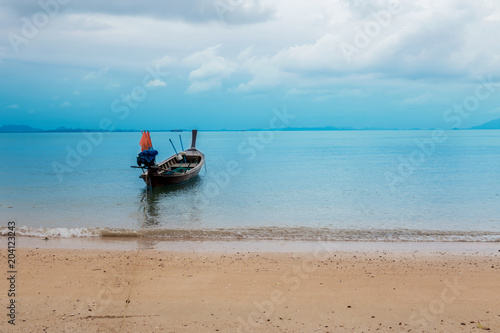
[170, 207]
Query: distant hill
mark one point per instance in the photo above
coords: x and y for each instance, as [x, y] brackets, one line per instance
[18, 129]
[62, 129]
[328, 128]
[492, 124]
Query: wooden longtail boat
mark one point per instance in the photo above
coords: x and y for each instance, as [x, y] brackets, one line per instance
[178, 168]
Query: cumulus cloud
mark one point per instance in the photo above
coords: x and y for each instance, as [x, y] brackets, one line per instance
[96, 74]
[417, 100]
[294, 49]
[203, 86]
[211, 69]
[165, 61]
[199, 57]
[65, 105]
[423, 40]
[266, 72]
[156, 83]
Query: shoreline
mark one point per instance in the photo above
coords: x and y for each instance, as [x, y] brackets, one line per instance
[232, 246]
[96, 290]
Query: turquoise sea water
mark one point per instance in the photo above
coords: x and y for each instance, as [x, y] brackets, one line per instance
[333, 185]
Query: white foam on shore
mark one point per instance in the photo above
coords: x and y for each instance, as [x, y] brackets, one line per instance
[265, 233]
[53, 232]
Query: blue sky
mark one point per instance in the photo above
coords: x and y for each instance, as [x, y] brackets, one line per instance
[228, 63]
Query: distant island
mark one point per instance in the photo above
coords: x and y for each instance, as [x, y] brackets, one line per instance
[62, 129]
[490, 125]
[29, 129]
[19, 129]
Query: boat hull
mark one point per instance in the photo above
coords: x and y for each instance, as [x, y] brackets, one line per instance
[165, 173]
[154, 180]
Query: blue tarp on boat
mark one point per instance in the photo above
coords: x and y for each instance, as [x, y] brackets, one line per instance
[146, 158]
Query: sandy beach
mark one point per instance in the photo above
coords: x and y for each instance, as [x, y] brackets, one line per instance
[76, 290]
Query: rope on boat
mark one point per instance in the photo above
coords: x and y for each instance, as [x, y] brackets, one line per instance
[127, 301]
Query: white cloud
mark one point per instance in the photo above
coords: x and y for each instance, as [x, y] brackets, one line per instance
[65, 105]
[215, 68]
[417, 100]
[212, 69]
[427, 40]
[96, 74]
[447, 41]
[266, 74]
[165, 61]
[203, 86]
[200, 57]
[13, 106]
[156, 83]
[76, 92]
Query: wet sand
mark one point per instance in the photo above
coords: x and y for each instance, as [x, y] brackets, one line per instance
[81, 290]
[149, 243]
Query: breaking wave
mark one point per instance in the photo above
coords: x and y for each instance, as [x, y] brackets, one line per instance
[267, 233]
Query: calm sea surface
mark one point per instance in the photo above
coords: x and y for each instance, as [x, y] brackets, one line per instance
[330, 185]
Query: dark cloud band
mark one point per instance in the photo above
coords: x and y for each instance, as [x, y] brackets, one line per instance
[228, 11]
